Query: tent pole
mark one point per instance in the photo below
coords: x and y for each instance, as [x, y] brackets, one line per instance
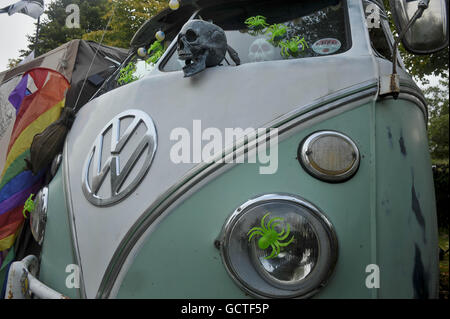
[36, 54]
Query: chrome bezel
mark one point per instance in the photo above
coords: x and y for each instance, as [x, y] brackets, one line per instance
[148, 141]
[39, 213]
[304, 152]
[275, 288]
[55, 165]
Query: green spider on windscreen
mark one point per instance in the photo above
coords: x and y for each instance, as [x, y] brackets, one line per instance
[277, 32]
[156, 51]
[126, 74]
[291, 47]
[270, 237]
[256, 23]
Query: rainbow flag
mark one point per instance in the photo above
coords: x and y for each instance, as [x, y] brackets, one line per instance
[38, 100]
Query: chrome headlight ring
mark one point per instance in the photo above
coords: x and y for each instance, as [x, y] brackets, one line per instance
[329, 156]
[298, 270]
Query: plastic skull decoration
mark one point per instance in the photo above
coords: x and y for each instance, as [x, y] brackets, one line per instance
[201, 44]
[261, 50]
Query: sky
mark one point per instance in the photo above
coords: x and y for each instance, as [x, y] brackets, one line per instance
[13, 31]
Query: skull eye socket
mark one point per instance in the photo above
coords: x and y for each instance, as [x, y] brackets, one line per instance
[191, 36]
[254, 48]
[265, 47]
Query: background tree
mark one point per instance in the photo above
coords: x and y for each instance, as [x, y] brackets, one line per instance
[13, 62]
[437, 97]
[53, 30]
[128, 17]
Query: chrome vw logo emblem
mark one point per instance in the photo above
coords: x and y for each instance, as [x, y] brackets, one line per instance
[133, 146]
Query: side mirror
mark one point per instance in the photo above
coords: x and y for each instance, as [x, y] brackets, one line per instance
[429, 33]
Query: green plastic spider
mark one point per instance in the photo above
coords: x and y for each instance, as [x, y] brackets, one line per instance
[291, 47]
[156, 51]
[270, 237]
[256, 22]
[126, 74]
[277, 32]
[29, 206]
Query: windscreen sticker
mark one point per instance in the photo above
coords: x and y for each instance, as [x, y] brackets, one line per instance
[326, 46]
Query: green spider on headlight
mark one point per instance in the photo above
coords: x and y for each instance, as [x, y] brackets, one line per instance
[270, 237]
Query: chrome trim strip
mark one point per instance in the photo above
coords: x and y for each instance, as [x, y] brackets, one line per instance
[200, 172]
[71, 217]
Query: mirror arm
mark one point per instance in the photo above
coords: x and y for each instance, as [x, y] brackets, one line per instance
[390, 85]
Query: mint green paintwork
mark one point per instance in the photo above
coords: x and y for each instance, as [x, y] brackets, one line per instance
[372, 215]
[57, 251]
[179, 259]
[399, 228]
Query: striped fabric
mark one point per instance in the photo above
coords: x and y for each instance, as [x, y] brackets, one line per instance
[35, 111]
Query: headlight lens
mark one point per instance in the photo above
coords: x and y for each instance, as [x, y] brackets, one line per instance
[329, 156]
[279, 245]
[38, 217]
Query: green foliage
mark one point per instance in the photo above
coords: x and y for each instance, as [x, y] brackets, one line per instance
[13, 63]
[441, 186]
[53, 30]
[128, 17]
[438, 130]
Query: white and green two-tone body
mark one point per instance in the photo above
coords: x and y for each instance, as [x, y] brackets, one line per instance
[162, 239]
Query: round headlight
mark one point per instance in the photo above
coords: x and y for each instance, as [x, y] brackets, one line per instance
[329, 156]
[38, 217]
[279, 246]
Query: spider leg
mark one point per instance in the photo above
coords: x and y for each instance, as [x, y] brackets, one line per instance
[272, 220]
[277, 246]
[255, 228]
[255, 233]
[273, 254]
[262, 222]
[286, 234]
[287, 243]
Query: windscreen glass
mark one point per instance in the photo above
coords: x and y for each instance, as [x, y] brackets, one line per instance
[278, 30]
